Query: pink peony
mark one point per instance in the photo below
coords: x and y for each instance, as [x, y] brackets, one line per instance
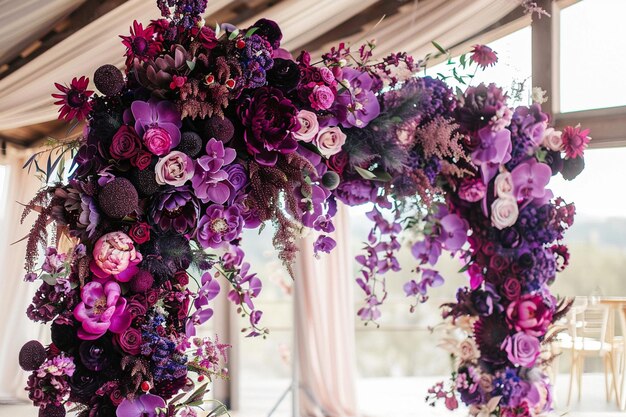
[529, 314]
[175, 169]
[157, 140]
[101, 309]
[114, 254]
[330, 140]
[472, 190]
[575, 141]
[309, 126]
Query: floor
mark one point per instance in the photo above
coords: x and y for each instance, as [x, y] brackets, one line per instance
[389, 397]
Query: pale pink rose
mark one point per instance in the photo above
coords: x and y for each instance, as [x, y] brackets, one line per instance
[503, 185]
[486, 382]
[330, 140]
[115, 254]
[552, 140]
[175, 169]
[309, 126]
[504, 212]
[468, 350]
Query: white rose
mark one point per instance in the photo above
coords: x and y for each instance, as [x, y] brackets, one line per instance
[309, 126]
[330, 140]
[552, 140]
[504, 212]
[503, 185]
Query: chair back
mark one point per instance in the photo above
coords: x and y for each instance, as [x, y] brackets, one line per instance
[589, 324]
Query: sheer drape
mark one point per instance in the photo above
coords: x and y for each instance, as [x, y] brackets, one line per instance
[15, 328]
[324, 326]
[24, 21]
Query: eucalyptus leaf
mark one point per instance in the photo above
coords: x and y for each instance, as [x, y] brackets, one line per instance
[439, 48]
[191, 65]
[233, 34]
[49, 279]
[198, 394]
[368, 175]
[250, 32]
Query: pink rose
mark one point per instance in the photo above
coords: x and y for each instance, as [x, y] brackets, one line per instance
[552, 140]
[115, 254]
[504, 212]
[472, 190]
[175, 169]
[529, 314]
[522, 349]
[503, 185]
[327, 76]
[309, 126]
[330, 140]
[322, 97]
[157, 140]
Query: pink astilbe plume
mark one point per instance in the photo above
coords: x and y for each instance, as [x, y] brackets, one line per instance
[439, 138]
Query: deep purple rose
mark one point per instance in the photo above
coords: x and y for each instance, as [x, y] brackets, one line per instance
[237, 176]
[125, 144]
[511, 289]
[130, 341]
[268, 117]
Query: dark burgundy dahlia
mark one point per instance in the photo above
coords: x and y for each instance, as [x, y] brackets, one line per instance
[175, 209]
[268, 117]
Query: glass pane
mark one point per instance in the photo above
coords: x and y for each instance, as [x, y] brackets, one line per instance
[593, 41]
[597, 240]
[512, 72]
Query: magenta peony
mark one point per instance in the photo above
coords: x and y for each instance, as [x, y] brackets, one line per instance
[529, 314]
[102, 308]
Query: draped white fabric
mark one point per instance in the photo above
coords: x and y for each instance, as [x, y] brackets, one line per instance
[325, 327]
[15, 328]
[24, 21]
[25, 94]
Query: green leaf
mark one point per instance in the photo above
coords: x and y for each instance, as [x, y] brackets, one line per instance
[368, 175]
[218, 411]
[177, 398]
[233, 34]
[250, 32]
[462, 61]
[439, 48]
[49, 279]
[198, 394]
[191, 65]
[383, 176]
[465, 268]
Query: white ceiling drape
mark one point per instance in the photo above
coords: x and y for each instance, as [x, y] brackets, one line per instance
[25, 94]
[22, 22]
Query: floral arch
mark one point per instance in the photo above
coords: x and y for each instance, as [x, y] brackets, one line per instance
[208, 131]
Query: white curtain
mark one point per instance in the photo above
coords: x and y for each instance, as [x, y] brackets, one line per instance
[324, 326]
[418, 23]
[22, 22]
[15, 328]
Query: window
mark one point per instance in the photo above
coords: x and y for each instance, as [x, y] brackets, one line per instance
[512, 72]
[593, 41]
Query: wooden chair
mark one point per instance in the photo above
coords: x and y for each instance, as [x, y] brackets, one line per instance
[587, 337]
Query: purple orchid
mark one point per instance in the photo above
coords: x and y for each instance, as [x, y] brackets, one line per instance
[427, 250]
[153, 113]
[210, 179]
[145, 405]
[324, 244]
[430, 278]
[530, 179]
[453, 232]
[494, 149]
[357, 105]
[209, 290]
[247, 287]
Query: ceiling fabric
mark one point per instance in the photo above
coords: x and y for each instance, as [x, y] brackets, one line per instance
[22, 22]
[25, 94]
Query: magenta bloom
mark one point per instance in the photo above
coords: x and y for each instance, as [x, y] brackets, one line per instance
[144, 406]
[530, 179]
[483, 56]
[210, 179]
[140, 43]
[453, 232]
[269, 118]
[157, 114]
[522, 349]
[101, 309]
[114, 254]
[74, 100]
[529, 314]
[219, 225]
[575, 141]
[494, 149]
